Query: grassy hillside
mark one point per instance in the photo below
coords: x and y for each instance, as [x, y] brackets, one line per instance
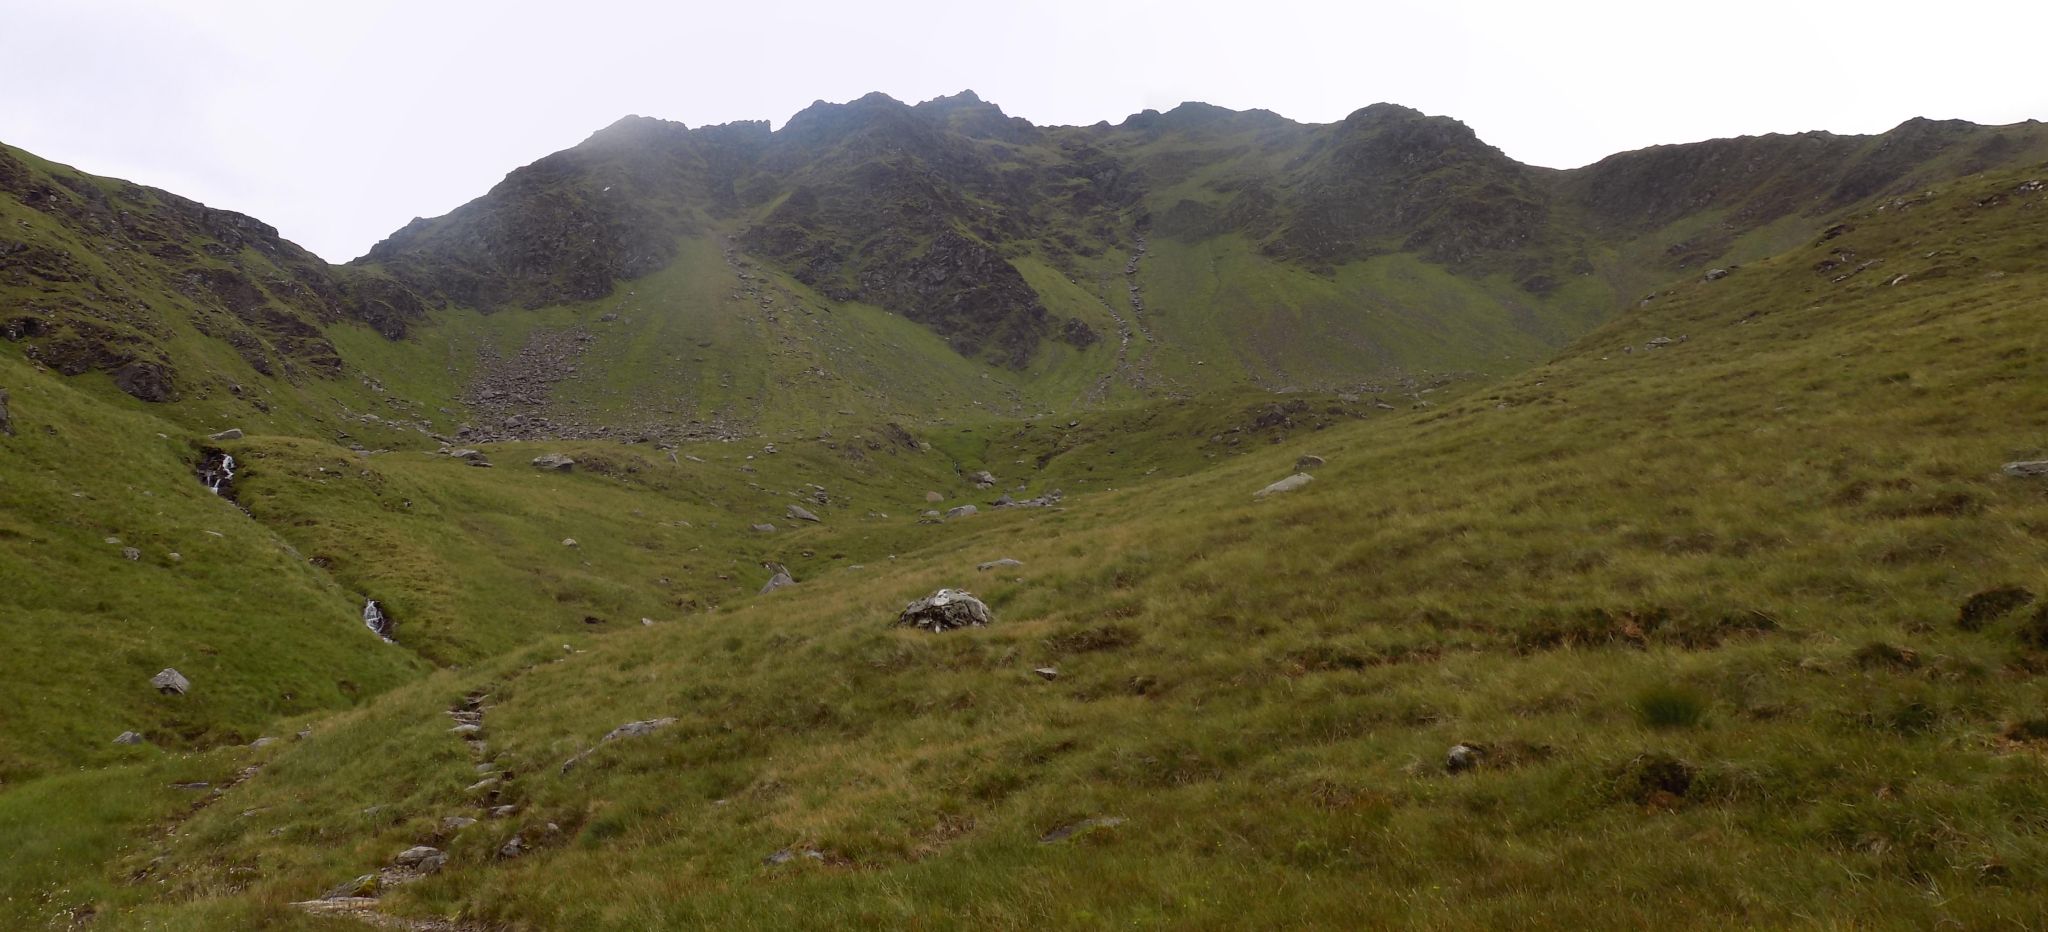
[1695, 605]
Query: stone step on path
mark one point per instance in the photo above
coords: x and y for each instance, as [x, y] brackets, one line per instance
[358, 899]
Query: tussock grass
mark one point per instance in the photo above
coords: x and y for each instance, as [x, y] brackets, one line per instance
[1756, 542]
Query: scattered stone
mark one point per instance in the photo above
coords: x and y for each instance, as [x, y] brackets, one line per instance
[647, 622]
[128, 737]
[780, 580]
[1065, 832]
[553, 461]
[1990, 605]
[763, 528]
[637, 729]
[1307, 462]
[504, 812]
[456, 823]
[194, 785]
[1047, 673]
[983, 479]
[945, 610]
[422, 858]
[1463, 757]
[798, 513]
[483, 784]
[512, 848]
[934, 497]
[1659, 341]
[570, 542]
[232, 433]
[1004, 563]
[263, 742]
[2031, 469]
[465, 729]
[962, 511]
[1715, 275]
[787, 855]
[171, 683]
[131, 554]
[1288, 484]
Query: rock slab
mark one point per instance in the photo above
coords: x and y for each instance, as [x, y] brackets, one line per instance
[1288, 484]
[171, 683]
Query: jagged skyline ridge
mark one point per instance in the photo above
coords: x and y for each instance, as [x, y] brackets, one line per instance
[304, 116]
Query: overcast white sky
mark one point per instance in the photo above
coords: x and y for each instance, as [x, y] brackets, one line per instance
[340, 121]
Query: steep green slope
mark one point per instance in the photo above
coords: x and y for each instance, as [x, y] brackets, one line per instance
[1691, 590]
[115, 563]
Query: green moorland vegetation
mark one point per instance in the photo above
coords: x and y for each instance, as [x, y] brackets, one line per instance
[1690, 594]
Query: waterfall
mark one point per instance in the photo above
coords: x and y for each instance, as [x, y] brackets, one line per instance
[379, 623]
[225, 473]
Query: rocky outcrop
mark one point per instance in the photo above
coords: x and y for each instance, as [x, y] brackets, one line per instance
[945, 610]
[162, 260]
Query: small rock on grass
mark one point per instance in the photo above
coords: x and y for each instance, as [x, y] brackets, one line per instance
[1288, 484]
[1004, 563]
[422, 858]
[1069, 830]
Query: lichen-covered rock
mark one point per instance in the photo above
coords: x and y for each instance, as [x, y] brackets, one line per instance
[945, 610]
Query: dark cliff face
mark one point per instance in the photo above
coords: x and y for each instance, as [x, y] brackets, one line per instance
[1390, 179]
[99, 285]
[920, 209]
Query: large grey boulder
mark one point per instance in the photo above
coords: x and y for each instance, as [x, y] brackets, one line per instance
[1288, 484]
[963, 511]
[2032, 469]
[171, 683]
[799, 513]
[983, 479]
[553, 462]
[945, 610]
